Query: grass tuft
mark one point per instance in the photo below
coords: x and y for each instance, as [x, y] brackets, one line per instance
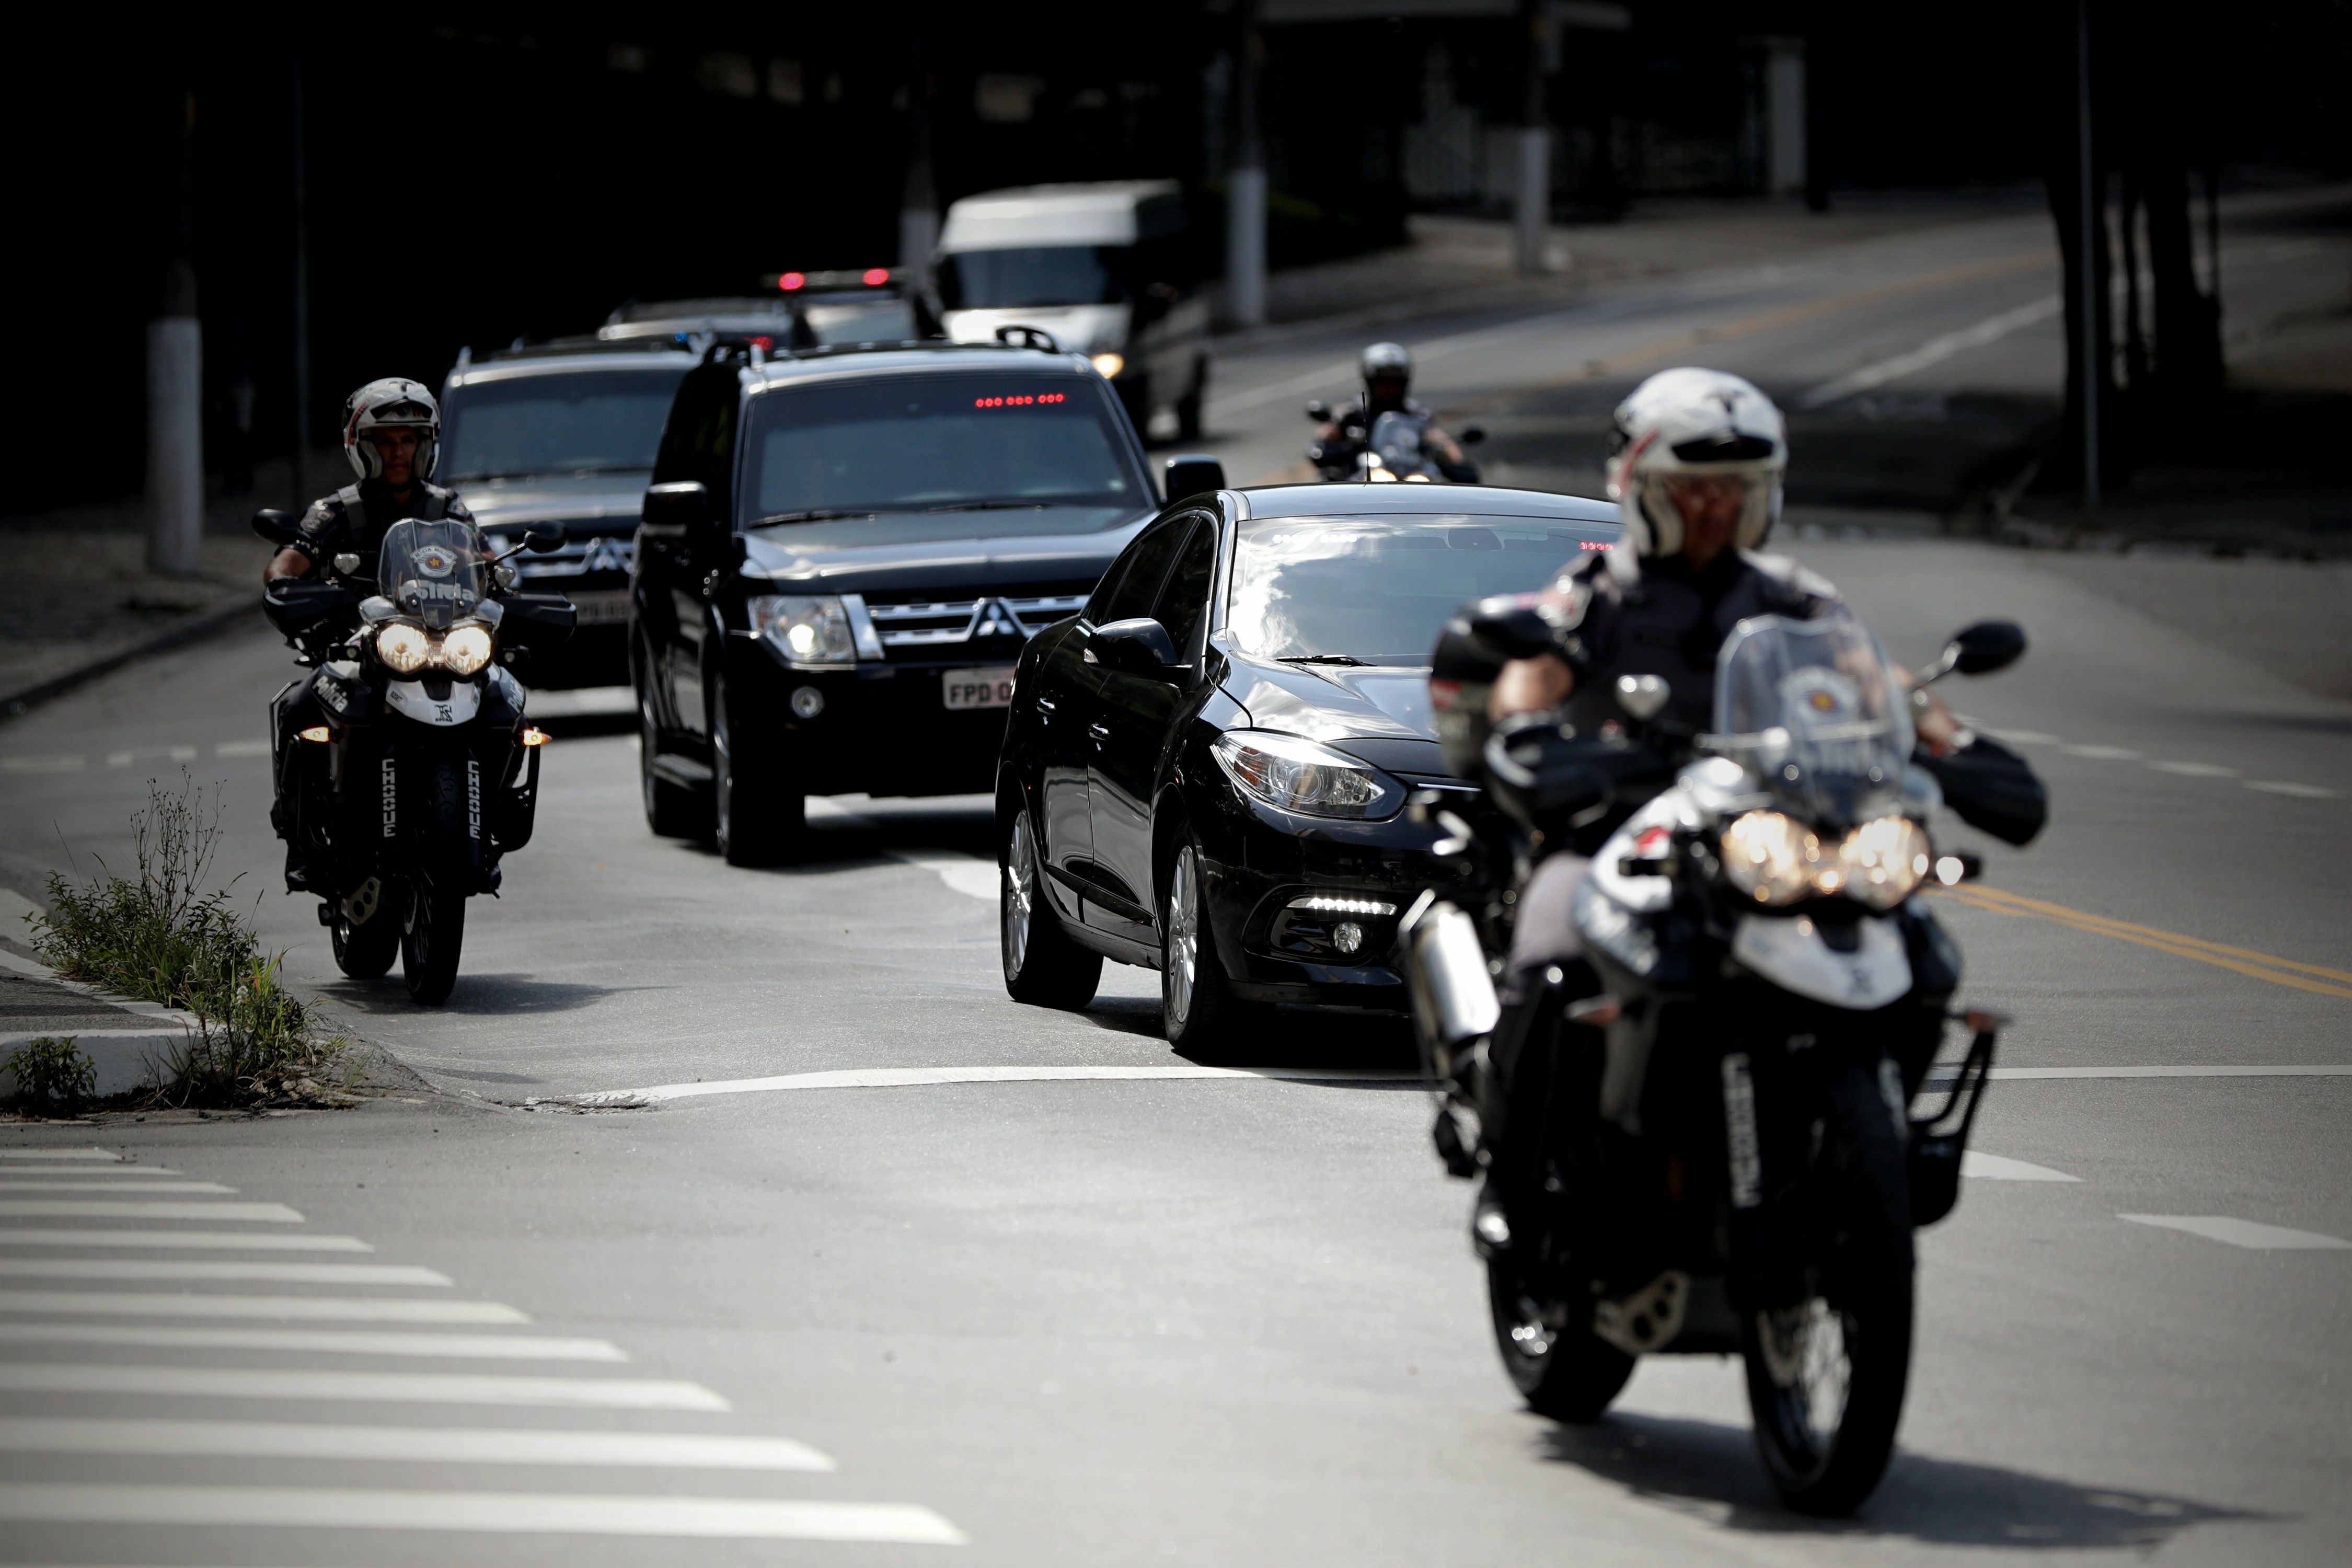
[53, 1076]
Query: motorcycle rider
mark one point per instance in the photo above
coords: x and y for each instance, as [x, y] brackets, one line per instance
[1387, 372]
[392, 438]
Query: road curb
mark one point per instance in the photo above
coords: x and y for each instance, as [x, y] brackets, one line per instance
[123, 1059]
[186, 630]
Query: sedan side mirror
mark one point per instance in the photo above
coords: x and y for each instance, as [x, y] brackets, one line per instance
[1138, 645]
[671, 508]
[1978, 649]
[1193, 475]
[546, 541]
[277, 527]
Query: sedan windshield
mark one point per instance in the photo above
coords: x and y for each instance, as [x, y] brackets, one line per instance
[566, 422]
[1348, 590]
[937, 443]
[1034, 275]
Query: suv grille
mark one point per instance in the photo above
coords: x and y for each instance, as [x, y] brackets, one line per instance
[581, 556]
[967, 620]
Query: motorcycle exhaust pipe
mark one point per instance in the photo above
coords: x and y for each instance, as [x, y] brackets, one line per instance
[1453, 1001]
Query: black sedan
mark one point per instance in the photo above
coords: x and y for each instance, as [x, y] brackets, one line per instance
[1205, 771]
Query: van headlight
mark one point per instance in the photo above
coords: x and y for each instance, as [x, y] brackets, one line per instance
[1291, 774]
[1776, 860]
[466, 650]
[807, 629]
[404, 649]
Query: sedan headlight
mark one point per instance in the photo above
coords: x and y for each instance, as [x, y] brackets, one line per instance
[1776, 860]
[404, 649]
[466, 650]
[1291, 774]
[807, 628]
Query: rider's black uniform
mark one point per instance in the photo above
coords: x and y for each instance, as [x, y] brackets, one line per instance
[354, 520]
[1663, 618]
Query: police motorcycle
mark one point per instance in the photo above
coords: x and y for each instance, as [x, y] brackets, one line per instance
[409, 773]
[1393, 448]
[1717, 1132]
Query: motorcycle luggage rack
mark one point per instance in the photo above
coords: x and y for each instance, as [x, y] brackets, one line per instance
[1939, 1139]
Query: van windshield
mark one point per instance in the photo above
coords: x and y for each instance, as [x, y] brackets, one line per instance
[1033, 275]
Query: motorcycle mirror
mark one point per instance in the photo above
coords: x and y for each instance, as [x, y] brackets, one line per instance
[346, 563]
[276, 526]
[1319, 411]
[1471, 435]
[1978, 649]
[1643, 697]
[542, 541]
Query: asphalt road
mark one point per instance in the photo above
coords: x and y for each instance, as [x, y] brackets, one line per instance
[1082, 1315]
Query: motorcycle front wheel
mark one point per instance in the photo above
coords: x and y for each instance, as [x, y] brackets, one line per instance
[365, 951]
[1826, 1376]
[1559, 1365]
[429, 948]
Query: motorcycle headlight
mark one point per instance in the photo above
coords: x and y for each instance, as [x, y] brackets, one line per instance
[404, 649]
[1107, 364]
[466, 650]
[1883, 861]
[1294, 774]
[1770, 856]
[807, 629]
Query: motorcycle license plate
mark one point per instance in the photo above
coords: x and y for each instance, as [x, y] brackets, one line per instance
[978, 687]
[605, 608]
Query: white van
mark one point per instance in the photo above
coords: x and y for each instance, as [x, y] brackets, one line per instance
[1105, 268]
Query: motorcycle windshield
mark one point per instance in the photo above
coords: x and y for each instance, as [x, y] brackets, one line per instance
[1813, 709]
[1397, 439]
[432, 570]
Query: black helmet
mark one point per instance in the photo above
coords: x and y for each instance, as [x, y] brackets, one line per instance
[1387, 359]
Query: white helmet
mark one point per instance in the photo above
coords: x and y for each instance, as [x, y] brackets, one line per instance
[1386, 360]
[1694, 422]
[393, 402]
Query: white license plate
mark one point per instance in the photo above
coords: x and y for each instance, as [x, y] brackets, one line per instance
[978, 687]
[605, 608]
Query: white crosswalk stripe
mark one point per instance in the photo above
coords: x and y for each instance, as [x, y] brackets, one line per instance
[298, 1349]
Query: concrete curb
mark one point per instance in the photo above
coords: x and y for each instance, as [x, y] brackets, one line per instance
[125, 1058]
[186, 630]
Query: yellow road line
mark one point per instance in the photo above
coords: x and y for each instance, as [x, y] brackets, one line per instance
[2238, 960]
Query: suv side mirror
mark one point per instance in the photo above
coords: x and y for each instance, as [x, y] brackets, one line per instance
[1138, 645]
[277, 527]
[671, 508]
[1193, 475]
[545, 540]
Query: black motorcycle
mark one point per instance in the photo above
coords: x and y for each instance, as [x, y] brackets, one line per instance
[1717, 1134]
[407, 771]
[1393, 448]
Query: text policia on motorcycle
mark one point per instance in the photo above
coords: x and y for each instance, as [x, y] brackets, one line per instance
[402, 766]
[1693, 1103]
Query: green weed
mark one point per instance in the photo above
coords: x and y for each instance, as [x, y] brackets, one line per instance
[54, 1078]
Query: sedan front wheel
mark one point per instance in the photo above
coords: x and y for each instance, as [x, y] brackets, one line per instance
[1198, 1009]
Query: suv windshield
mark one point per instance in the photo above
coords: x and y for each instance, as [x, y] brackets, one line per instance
[1379, 589]
[431, 571]
[1813, 710]
[1034, 275]
[935, 443]
[566, 422]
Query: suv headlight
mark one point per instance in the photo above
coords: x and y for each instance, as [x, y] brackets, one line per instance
[1291, 774]
[466, 650]
[1775, 859]
[404, 649]
[807, 628]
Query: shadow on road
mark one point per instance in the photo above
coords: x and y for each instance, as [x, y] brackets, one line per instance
[1942, 1502]
[501, 996]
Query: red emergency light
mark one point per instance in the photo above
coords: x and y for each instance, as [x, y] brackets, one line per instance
[874, 277]
[792, 280]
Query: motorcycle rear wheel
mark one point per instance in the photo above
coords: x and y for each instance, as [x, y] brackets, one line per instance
[1825, 1419]
[1559, 1368]
[365, 951]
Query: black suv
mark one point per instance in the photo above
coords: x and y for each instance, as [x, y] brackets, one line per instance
[562, 435]
[844, 552]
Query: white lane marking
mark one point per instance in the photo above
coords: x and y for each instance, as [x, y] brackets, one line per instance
[40, 764]
[92, 1178]
[9, 1183]
[392, 1387]
[1933, 351]
[207, 1240]
[1996, 1168]
[2196, 770]
[2327, 1070]
[2296, 791]
[2103, 753]
[552, 1513]
[278, 1273]
[431, 1445]
[2023, 737]
[315, 1308]
[325, 1341]
[242, 749]
[151, 753]
[73, 1208]
[912, 1078]
[105, 1155]
[966, 874]
[2242, 1232]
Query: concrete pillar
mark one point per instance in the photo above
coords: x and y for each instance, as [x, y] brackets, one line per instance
[175, 444]
[1784, 115]
[1245, 180]
[1533, 203]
